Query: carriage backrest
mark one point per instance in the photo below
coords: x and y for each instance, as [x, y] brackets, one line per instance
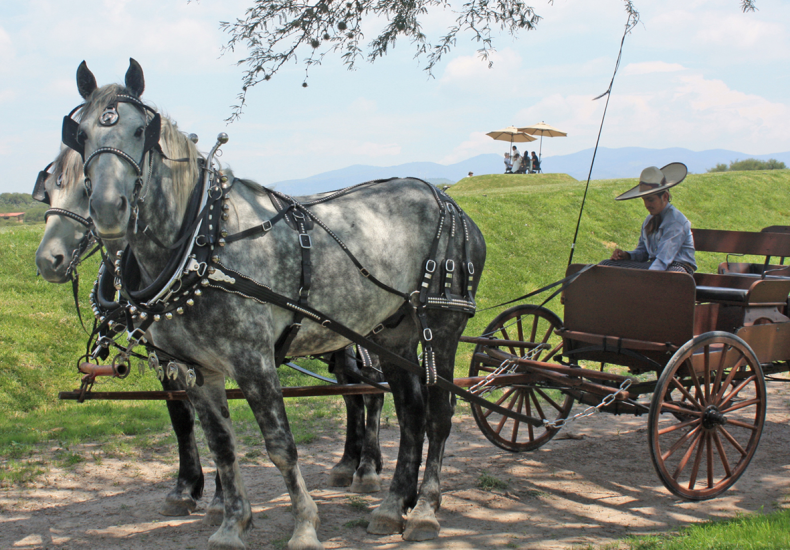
[762, 243]
[653, 306]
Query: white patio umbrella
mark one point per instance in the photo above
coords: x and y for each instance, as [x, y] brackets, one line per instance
[511, 134]
[542, 129]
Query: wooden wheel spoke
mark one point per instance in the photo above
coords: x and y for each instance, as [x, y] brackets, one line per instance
[709, 447]
[507, 394]
[530, 427]
[741, 405]
[680, 426]
[695, 379]
[505, 336]
[516, 422]
[729, 397]
[548, 399]
[720, 370]
[728, 381]
[706, 373]
[675, 408]
[504, 419]
[553, 352]
[520, 329]
[695, 467]
[722, 454]
[534, 331]
[728, 436]
[679, 443]
[685, 392]
[537, 405]
[684, 461]
[740, 424]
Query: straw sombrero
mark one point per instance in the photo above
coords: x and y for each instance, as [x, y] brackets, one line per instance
[653, 180]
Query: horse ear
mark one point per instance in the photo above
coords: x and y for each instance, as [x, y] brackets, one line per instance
[86, 82]
[134, 78]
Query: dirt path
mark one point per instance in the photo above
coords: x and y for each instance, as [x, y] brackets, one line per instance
[592, 484]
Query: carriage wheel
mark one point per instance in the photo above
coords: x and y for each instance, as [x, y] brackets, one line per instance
[526, 324]
[704, 428]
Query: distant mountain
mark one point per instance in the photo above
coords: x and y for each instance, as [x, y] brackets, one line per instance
[625, 162]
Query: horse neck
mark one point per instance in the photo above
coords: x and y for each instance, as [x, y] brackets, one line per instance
[161, 213]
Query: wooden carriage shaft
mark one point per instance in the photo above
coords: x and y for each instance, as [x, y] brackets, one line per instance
[293, 391]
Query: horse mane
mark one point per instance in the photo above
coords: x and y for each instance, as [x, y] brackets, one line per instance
[69, 164]
[175, 145]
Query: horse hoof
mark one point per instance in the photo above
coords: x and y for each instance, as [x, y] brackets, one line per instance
[421, 529]
[385, 525]
[305, 541]
[366, 484]
[225, 541]
[178, 506]
[421, 523]
[340, 476]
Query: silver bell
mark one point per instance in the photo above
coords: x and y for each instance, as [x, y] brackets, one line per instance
[191, 378]
[172, 370]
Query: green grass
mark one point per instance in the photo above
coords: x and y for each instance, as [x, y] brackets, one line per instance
[528, 222]
[752, 532]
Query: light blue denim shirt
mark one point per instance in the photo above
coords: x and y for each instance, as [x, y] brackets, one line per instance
[672, 242]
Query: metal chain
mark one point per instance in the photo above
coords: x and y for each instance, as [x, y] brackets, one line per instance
[507, 366]
[589, 411]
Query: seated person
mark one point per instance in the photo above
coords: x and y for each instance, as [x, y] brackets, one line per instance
[666, 242]
[508, 164]
[516, 163]
[535, 163]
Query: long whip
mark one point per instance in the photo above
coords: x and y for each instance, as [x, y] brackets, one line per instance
[633, 19]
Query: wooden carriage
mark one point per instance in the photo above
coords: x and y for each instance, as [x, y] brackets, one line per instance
[701, 345]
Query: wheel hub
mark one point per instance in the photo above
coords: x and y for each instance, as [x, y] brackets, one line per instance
[712, 417]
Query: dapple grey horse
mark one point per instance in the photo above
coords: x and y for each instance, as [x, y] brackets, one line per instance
[390, 229]
[65, 237]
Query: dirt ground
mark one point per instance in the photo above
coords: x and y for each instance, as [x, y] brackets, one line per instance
[592, 484]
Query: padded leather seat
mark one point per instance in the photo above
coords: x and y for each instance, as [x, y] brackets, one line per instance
[721, 294]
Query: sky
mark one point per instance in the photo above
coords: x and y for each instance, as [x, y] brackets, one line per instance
[698, 74]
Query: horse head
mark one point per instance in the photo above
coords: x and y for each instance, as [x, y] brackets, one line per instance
[67, 232]
[115, 134]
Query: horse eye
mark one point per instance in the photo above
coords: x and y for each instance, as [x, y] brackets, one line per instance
[59, 181]
[139, 132]
[81, 136]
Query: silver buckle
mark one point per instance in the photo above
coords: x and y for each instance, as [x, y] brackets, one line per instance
[305, 241]
[266, 226]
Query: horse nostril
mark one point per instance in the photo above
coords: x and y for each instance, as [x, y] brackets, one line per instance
[122, 203]
[57, 261]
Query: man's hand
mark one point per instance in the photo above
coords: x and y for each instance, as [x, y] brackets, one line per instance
[620, 255]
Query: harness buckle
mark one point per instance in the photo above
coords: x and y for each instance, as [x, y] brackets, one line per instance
[365, 272]
[201, 240]
[266, 226]
[378, 328]
[449, 265]
[430, 266]
[305, 241]
[304, 292]
[470, 268]
[427, 335]
[298, 214]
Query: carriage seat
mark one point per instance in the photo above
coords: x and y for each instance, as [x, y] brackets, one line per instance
[722, 294]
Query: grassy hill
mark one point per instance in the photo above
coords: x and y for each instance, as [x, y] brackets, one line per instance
[528, 222]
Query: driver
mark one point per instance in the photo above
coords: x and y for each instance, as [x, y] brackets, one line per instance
[666, 243]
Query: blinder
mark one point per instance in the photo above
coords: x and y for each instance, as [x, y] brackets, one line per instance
[110, 117]
[40, 188]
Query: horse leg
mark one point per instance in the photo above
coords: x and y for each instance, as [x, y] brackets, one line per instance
[189, 486]
[342, 474]
[366, 477]
[422, 523]
[216, 510]
[409, 402]
[262, 391]
[211, 405]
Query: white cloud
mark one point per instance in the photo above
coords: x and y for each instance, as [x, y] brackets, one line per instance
[649, 67]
